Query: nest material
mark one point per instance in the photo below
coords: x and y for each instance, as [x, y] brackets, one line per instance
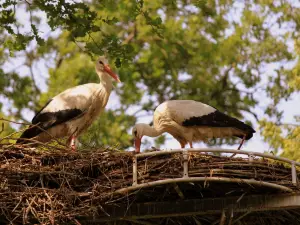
[54, 187]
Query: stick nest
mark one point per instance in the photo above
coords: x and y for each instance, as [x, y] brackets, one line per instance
[54, 187]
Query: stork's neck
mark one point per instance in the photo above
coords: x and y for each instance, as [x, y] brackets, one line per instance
[151, 131]
[105, 80]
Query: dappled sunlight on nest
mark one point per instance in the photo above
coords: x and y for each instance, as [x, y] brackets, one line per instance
[57, 186]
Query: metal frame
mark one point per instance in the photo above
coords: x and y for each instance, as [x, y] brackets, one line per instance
[186, 178]
[194, 207]
[207, 179]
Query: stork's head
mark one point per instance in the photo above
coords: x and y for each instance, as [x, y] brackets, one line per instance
[137, 133]
[102, 66]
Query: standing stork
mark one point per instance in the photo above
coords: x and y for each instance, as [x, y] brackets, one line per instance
[190, 121]
[72, 111]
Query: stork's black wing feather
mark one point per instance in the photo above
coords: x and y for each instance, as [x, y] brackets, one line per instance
[37, 114]
[46, 120]
[219, 119]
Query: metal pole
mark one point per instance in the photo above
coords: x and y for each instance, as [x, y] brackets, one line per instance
[134, 171]
[251, 157]
[185, 164]
[204, 179]
[294, 174]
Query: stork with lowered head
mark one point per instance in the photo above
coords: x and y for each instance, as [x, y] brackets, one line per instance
[190, 121]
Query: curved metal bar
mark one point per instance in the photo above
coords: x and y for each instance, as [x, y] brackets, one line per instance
[220, 150]
[209, 179]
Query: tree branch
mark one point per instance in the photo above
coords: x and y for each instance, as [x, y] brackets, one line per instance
[132, 35]
[30, 65]
[253, 114]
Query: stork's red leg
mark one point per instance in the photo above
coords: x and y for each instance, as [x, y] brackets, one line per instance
[191, 144]
[71, 142]
[242, 142]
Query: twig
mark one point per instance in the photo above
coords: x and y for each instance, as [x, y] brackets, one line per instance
[223, 218]
[179, 192]
[8, 136]
[10, 121]
[139, 222]
[231, 217]
[21, 198]
[37, 142]
[28, 209]
[240, 217]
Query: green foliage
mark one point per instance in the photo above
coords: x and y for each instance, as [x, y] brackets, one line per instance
[161, 50]
[79, 20]
[285, 138]
[282, 136]
[110, 129]
[5, 129]
[291, 144]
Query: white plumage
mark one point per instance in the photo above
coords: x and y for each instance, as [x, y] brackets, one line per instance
[65, 100]
[190, 121]
[72, 111]
[181, 110]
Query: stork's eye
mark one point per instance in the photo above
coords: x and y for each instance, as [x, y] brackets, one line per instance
[101, 62]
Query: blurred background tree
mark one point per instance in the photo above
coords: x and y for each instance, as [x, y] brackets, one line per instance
[214, 51]
[286, 136]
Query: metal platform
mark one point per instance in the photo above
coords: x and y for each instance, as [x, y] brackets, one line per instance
[222, 210]
[185, 154]
[193, 207]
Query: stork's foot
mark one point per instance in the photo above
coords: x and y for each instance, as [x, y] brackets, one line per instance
[182, 145]
[135, 152]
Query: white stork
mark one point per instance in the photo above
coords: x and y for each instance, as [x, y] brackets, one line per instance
[190, 121]
[72, 111]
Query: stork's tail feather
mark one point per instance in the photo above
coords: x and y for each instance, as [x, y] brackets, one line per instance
[31, 132]
[233, 122]
[221, 120]
[248, 130]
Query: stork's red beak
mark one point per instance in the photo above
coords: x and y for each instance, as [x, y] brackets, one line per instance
[137, 144]
[108, 70]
